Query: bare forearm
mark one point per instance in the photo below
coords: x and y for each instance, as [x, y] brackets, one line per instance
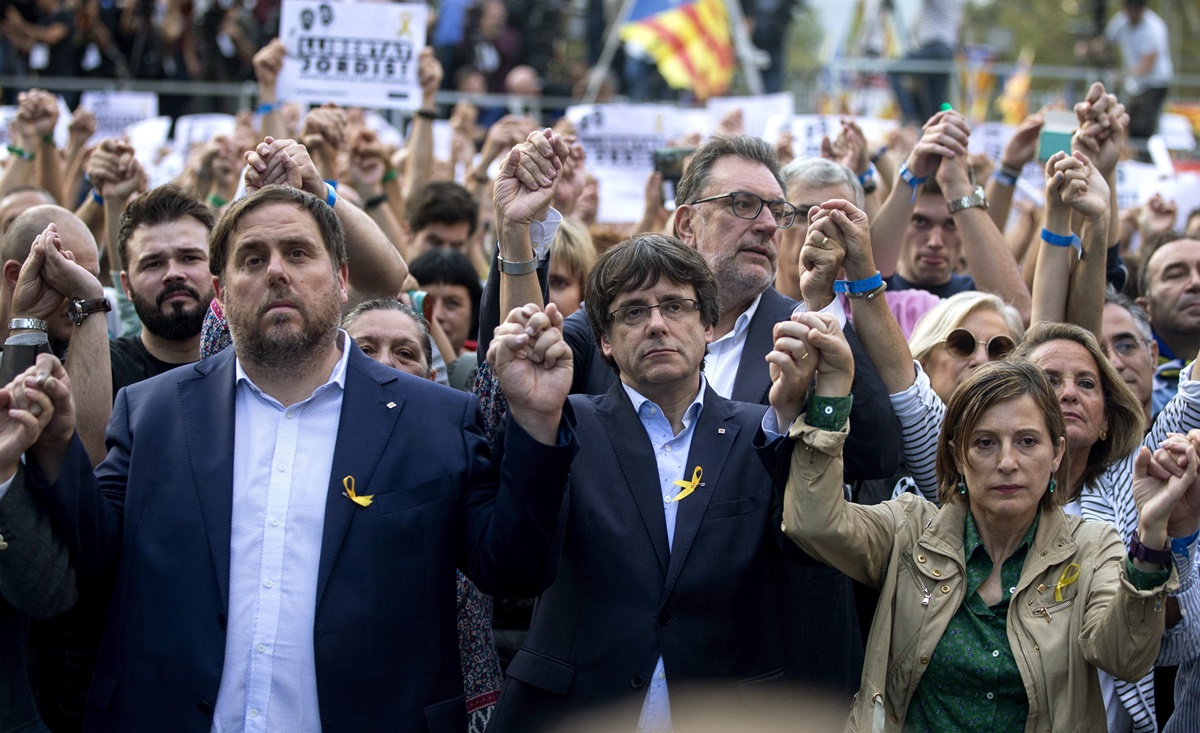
[50, 171]
[1051, 281]
[376, 268]
[420, 155]
[90, 369]
[999, 198]
[517, 290]
[887, 228]
[1085, 300]
[884, 342]
[992, 264]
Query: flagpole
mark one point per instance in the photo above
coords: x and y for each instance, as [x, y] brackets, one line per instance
[750, 56]
[606, 55]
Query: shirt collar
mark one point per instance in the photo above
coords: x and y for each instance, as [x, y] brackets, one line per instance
[742, 323]
[337, 376]
[689, 415]
[972, 541]
[1165, 354]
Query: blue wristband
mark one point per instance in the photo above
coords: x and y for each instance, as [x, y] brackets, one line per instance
[267, 107]
[867, 175]
[1180, 545]
[907, 176]
[331, 194]
[332, 183]
[1061, 240]
[1004, 179]
[97, 197]
[854, 287]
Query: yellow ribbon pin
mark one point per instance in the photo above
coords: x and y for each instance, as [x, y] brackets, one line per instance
[348, 483]
[1069, 575]
[688, 486]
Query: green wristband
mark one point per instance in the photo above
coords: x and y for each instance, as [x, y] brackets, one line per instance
[828, 413]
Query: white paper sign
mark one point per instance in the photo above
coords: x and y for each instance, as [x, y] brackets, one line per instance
[755, 110]
[115, 111]
[808, 130]
[148, 137]
[8, 113]
[355, 54]
[1177, 132]
[620, 140]
[197, 129]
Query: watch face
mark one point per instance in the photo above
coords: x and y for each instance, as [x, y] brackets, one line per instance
[74, 312]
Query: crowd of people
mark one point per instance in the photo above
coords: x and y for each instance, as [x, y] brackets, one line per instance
[291, 441]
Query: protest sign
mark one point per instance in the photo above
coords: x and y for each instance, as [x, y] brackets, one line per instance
[620, 140]
[355, 54]
[198, 129]
[755, 110]
[115, 111]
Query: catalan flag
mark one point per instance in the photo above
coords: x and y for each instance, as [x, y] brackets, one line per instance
[690, 42]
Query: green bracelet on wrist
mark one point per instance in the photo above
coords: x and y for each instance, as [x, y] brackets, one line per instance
[21, 153]
[216, 201]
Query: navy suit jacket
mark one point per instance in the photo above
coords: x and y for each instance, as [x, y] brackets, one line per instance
[384, 634]
[623, 598]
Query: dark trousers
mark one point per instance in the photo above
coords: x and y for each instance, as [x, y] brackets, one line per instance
[921, 95]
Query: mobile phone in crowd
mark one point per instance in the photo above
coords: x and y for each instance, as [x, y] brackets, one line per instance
[1057, 130]
[669, 162]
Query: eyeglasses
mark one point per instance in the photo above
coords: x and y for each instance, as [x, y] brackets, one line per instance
[672, 310]
[1124, 347]
[961, 344]
[747, 205]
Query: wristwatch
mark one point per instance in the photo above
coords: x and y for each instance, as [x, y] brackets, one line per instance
[33, 324]
[78, 310]
[977, 199]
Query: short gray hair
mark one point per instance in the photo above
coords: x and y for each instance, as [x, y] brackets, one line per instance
[1139, 315]
[821, 172]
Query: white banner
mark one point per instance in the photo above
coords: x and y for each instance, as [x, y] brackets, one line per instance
[115, 111]
[354, 54]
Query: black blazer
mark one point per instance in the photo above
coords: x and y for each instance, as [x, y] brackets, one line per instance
[622, 598]
[384, 636]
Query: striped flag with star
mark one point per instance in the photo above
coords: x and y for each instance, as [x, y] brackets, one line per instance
[689, 40]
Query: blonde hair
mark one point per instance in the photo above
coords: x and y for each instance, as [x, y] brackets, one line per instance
[572, 248]
[935, 325]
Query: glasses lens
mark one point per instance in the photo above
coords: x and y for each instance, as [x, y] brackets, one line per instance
[784, 214]
[1125, 347]
[999, 347]
[746, 205]
[960, 343]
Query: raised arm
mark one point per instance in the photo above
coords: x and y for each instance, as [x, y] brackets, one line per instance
[420, 137]
[1018, 151]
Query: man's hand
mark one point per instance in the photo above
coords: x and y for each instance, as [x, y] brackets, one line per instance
[24, 413]
[37, 114]
[1022, 146]
[534, 366]
[733, 123]
[81, 129]
[944, 136]
[848, 149]
[1074, 180]
[268, 62]
[429, 74]
[1103, 123]
[784, 149]
[113, 170]
[367, 164]
[51, 378]
[323, 135]
[791, 367]
[821, 258]
[48, 268]
[853, 231]
[285, 163]
[528, 177]
[954, 177]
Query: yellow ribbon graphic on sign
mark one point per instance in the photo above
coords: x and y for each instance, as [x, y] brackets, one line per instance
[688, 486]
[1069, 575]
[405, 20]
[348, 483]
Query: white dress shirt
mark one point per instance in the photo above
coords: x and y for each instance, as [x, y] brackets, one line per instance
[671, 454]
[724, 354]
[281, 463]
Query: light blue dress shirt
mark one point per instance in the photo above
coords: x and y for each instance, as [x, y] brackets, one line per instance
[671, 454]
[281, 463]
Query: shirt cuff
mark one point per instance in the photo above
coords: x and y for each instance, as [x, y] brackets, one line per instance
[828, 413]
[541, 234]
[4, 486]
[910, 399]
[770, 425]
[1142, 580]
[834, 309]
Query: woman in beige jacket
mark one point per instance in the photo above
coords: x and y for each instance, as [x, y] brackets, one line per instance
[959, 642]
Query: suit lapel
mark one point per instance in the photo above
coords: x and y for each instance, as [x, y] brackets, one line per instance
[635, 456]
[206, 407]
[753, 380]
[370, 412]
[712, 438]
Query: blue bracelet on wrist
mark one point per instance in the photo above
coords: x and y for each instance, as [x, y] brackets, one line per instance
[1062, 240]
[1004, 179]
[267, 107]
[97, 198]
[907, 176]
[854, 287]
[330, 195]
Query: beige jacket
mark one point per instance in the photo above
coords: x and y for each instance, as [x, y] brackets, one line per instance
[914, 554]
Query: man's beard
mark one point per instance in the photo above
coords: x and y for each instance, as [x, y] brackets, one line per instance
[177, 324]
[279, 345]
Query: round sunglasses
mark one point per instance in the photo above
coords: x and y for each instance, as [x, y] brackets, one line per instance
[961, 344]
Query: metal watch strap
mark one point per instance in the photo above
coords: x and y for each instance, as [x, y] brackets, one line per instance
[35, 324]
[1140, 552]
[977, 199]
[508, 267]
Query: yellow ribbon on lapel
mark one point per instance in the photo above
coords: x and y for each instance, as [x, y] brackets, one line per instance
[688, 486]
[348, 483]
[1069, 575]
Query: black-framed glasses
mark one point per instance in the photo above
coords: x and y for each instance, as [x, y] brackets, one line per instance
[961, 344]
[673, 310]
[747, 205]
[1125, 346]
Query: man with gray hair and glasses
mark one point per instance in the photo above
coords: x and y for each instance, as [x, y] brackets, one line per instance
[1128, 341]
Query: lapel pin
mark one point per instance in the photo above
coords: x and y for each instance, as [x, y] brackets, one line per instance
[720, 431]
[688, 486]
[348, 484]
[390, 405]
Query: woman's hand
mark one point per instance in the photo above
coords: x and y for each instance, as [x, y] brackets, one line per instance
[1166, 491]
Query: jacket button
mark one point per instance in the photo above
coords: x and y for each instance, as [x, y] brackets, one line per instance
[664, 617]
[636, 681]
[920, 558]
[945, 589]
[1036, 648]
[937, 573]
[205, 707]
[924, 659]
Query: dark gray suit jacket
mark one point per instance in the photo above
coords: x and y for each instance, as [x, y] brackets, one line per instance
[36, 578]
